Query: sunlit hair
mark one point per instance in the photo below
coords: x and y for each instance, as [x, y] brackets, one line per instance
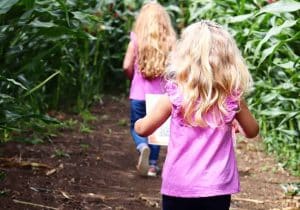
[208, 67]
[155, 37]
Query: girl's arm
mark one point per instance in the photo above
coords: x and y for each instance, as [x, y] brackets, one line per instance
[129, 61]
[155, 118]
[246, 121]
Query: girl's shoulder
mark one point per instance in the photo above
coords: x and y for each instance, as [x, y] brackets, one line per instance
[174, 93]
[132, 36]
[232, 107]
[176, 98]
[133, 40]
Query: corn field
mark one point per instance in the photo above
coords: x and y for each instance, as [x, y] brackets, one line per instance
[65, 54]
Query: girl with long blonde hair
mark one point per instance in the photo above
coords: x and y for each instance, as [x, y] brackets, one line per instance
[151, 40]
[207, 80]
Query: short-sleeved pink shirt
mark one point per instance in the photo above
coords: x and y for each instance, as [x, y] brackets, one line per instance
[200, 161]
[141, 86]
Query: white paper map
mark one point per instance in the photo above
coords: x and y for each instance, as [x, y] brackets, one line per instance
[160, 135]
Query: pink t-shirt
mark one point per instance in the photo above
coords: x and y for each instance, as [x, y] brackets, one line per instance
[139, 85]
[200, 161]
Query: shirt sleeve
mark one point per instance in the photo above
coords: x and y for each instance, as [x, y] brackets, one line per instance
[174, 96]
[133, 38]
[232, 106]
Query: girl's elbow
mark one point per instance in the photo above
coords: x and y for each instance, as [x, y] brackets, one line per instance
[125, 66]
[142, 134]
[125, 69]
[253, 132]
[139, 129]
[128, 72]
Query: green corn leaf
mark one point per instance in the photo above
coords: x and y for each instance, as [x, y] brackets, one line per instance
[82, 17]
[240, 18]
[288, 132]
[288, 65]
[289, 116]
[4, 98]
[11, 116]
[272, 32]
[267, 52]
[197, 12]
[5, 5]
[269, 97]
[281, 6]
[284, 100]
[42, 83]
[173, 8]
[273, 112]
[287, 85]
[37, 23]
[17, 83]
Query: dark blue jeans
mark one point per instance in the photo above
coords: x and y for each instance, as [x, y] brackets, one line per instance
[221, 202]
[137, 111]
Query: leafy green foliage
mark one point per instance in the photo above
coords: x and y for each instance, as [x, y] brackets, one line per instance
[85, 128]
[87, 116]
[61, 154]
[292, 189]
[54, 55]
[2, 175]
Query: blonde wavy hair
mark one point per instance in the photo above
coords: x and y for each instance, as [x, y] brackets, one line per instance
[207, 66]
[155, 37]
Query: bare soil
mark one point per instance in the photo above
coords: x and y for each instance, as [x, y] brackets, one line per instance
[96, 170]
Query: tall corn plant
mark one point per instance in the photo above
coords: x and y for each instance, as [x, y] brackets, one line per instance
[269, 37]
[19, 110]
[54, 54]
[117, 18]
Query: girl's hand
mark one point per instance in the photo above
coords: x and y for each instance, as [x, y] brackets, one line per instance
[237, 128]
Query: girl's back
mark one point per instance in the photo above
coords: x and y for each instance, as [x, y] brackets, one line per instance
[203, 154]
[140, 86]
[152, 38]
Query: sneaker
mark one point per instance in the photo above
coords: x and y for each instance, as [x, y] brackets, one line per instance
[153, 171]
[143, 163]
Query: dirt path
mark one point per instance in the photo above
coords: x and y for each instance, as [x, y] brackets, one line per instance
[97, 170]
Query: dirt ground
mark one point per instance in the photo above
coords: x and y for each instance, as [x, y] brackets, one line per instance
[96, 170]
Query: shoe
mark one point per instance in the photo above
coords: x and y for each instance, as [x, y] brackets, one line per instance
[153, 171]
[143, 163]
